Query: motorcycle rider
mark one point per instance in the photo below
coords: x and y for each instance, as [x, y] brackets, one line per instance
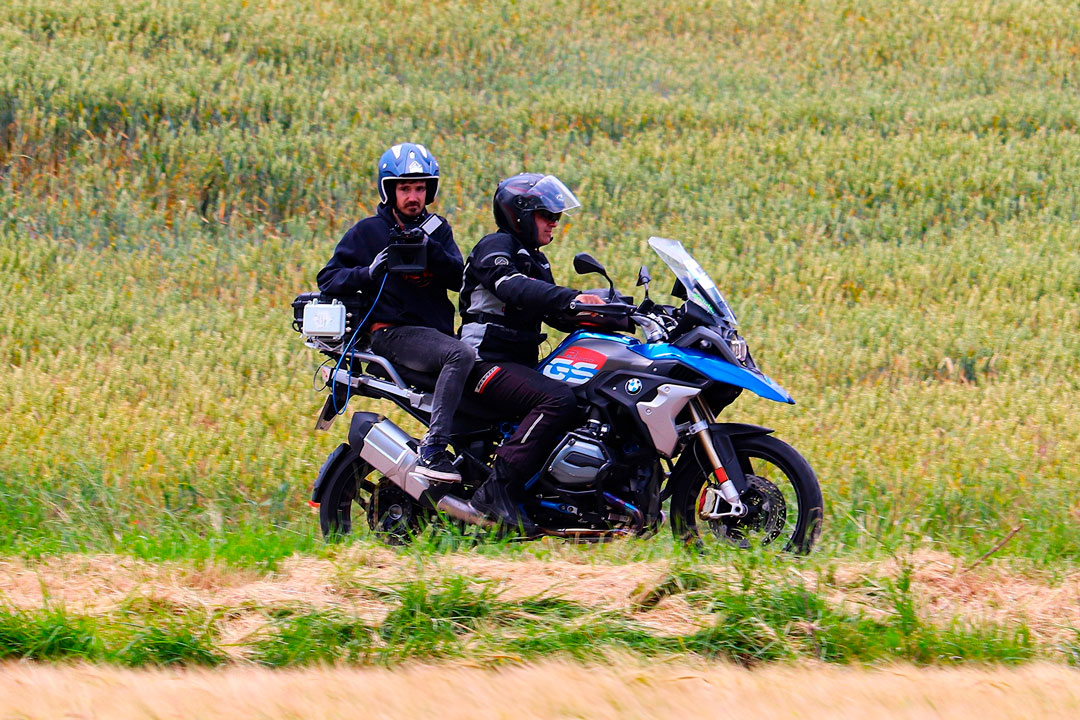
[508, 291]
[412, 320]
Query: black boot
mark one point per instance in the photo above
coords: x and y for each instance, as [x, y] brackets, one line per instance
[492, 500]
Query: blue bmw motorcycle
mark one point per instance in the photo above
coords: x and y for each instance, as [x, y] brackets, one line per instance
[649, 432]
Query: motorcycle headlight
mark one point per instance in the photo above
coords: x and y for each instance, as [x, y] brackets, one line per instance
[738, 347]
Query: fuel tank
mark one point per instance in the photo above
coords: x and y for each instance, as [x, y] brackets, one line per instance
[583, 355]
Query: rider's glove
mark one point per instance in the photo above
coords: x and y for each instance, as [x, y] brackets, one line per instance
[377, 268]
[584, 299]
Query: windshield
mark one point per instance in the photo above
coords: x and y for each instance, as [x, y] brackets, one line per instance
[553, 195]
[700, 288]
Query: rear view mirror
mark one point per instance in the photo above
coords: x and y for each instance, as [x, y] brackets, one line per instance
[584, 263]
[643, 277]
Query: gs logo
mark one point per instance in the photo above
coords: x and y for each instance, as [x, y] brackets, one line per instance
[575, 366]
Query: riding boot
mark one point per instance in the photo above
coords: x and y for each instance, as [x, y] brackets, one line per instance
[493, 500]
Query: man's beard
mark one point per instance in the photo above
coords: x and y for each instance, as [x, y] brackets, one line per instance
[407, 218]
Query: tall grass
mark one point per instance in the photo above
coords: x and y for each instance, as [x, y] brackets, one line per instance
[886, 191]
[150, 639]
[768, 620]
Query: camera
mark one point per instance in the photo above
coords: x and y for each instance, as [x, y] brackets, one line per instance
[407, 252]
[412, 235]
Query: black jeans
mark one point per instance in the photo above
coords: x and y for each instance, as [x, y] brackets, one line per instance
[549, 407]
[426, 350]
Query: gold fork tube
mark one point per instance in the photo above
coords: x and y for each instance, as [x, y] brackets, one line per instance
[727, 488]
[706, 442]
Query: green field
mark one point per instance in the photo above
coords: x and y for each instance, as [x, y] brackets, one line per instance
[886, 192]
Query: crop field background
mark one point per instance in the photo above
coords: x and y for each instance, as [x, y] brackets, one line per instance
[888, 194]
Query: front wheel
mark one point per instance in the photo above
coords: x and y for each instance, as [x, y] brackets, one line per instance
[783, 498]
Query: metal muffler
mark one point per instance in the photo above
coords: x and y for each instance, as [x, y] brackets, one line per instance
[385, 447]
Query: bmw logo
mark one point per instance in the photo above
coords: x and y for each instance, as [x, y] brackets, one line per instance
[633, 386]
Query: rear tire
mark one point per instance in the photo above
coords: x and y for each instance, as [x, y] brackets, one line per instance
[335, 509]
[782, 483]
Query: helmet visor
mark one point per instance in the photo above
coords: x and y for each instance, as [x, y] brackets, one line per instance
[553, 196]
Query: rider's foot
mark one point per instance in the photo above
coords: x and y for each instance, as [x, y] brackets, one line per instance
[438, 464]
[492, 500]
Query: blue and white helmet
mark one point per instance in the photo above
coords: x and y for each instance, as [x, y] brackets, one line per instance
[408, 161]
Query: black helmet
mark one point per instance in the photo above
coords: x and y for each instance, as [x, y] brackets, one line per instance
[519, 196]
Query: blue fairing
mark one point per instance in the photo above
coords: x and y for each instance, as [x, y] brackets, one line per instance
[709, 365]
[579, 335]
[717, 369]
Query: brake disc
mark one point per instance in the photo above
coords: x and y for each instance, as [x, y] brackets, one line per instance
[766, 514]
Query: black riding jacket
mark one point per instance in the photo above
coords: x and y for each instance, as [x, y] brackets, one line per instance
[508, 291]
[406, 299]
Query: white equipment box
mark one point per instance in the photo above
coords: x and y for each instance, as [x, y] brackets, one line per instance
[324, 319]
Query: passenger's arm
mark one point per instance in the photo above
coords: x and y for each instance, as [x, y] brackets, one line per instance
[444, 259]
[348, 271]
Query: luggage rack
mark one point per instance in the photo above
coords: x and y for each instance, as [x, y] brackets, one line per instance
[393, 386]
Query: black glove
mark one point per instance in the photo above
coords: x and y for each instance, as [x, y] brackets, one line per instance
[377, 268]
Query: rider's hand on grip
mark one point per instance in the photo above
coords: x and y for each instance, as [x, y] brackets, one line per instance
[585, 299]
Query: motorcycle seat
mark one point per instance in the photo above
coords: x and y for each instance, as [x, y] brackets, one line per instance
[425, 382]
[474, 411]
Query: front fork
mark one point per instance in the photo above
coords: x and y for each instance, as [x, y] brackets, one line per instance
[720, 453]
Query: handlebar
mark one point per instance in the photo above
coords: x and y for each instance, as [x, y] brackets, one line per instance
[603, 308]
[658, 322]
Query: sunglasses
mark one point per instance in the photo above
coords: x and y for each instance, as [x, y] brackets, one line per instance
[549, 216]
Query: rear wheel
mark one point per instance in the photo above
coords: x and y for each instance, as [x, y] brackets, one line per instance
[392, 514]
[783, 498]
[343, 483]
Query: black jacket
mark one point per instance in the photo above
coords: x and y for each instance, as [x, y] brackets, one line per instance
[508, 291]
[406, 299]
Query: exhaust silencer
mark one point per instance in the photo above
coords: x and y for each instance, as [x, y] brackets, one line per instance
[385, 447]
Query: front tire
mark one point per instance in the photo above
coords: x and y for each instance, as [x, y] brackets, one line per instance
[784, 494]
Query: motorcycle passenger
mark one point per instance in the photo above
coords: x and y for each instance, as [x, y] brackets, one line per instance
[412, 321]
[508, 291]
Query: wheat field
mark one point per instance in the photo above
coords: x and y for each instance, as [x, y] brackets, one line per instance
[886, 192]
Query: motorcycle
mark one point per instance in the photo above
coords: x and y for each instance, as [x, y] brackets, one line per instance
[649, 432]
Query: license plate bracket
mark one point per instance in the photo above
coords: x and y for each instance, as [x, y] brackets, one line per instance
[327, 415]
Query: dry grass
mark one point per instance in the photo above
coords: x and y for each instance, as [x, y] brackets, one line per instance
[995, 593]
[621, 691]
[104, 582]
[886, 192]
